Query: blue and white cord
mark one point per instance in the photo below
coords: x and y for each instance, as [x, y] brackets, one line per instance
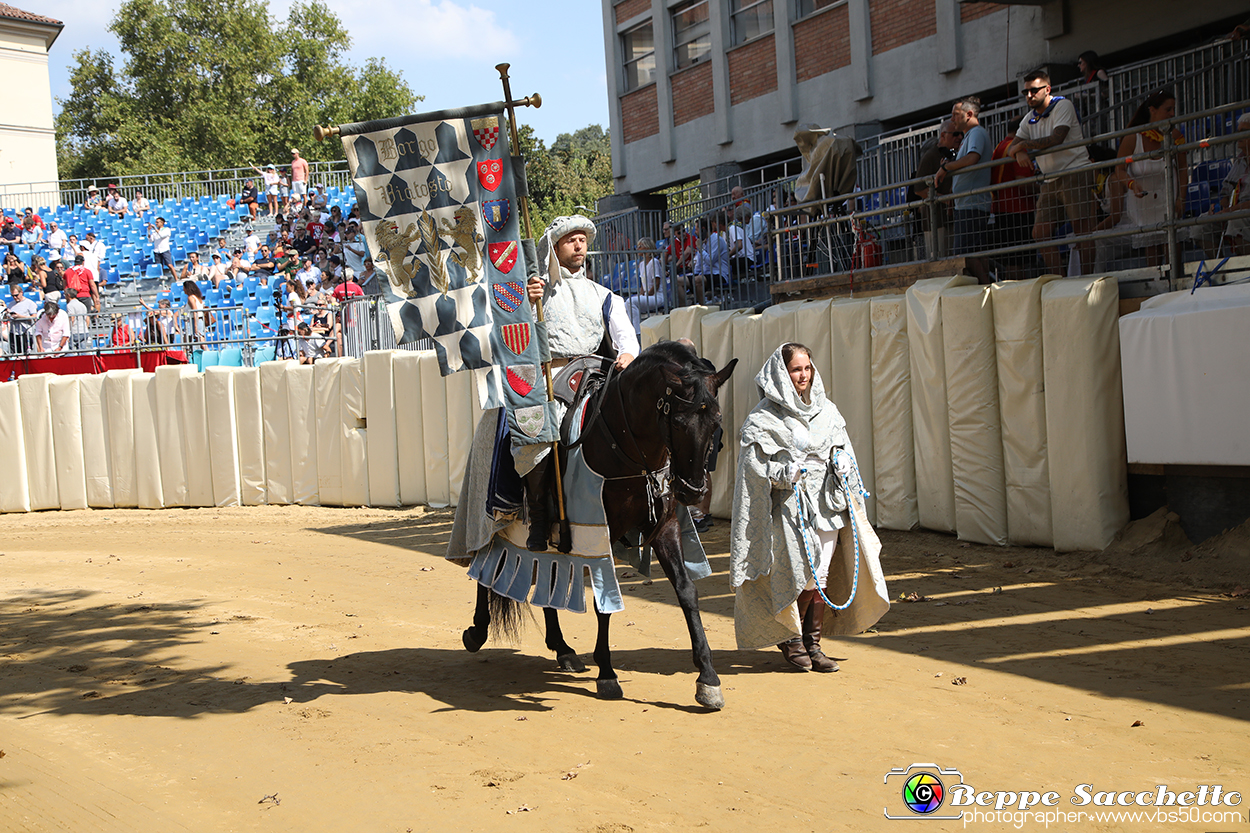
[805, 533]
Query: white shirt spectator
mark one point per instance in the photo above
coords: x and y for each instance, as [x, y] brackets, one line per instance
[117, 204]
[140, 206]
[79, 321]
[251, 244]
[53, 332]
[1059, 113]
[95, 247]
[159, 238]
[58, 239]
[747, 249]
[354, 252]
[310, 276]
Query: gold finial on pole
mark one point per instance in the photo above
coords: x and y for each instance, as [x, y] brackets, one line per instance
[321, 132]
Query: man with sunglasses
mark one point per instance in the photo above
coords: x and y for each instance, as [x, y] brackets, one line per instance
[1068, 189]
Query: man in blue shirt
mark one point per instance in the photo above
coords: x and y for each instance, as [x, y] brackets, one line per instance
[972, 211]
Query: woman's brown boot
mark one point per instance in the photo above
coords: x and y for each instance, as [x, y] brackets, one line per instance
[795, 653]
[813, 620]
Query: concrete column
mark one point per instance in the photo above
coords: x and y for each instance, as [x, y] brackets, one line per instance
[718, 21]
[660, 30]
[861, 49]
[613, 58]
[950, 50]
[783, 39]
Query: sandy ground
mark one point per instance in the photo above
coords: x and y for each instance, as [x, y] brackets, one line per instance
[300, 669]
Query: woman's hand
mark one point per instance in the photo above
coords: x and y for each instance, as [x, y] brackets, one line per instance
[534, 288]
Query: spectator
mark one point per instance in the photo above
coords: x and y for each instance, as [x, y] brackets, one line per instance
[140, 205]
[1052, 121]
[264, 263]
[121, 335]
[80, 279]
[216, 272]
[972, 211]
[72, 249]
[32, 234]
[159, 236]
[677, 248]
[741, 249]
[11, 233]
[79, 321]
[57, 239]
[14, 270]
[284, 190]
[650, 295]
[54, 280]
[354, 248]
[93, 202]
[251, 243]
[368, 279]
[52, 329]
[299, 177]
[22, 313]
[1235, 191]
[713, 259]
[39, 276]
[270, 177]
[1091, 68]
[1013, 212]
[162, 324]
[201, 318]
[193, 270]
[116, 204]
[29, 214]
[308, 275]
[95, 250]
[319, 199]
[286, 261]
[346, 286]
[297, 298]
[311, 347]
[1145, 180]
[249, 196]
[222, 249]
[934, 224]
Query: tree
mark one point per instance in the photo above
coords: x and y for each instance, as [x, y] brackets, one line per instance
[575, 171]
[216, 84]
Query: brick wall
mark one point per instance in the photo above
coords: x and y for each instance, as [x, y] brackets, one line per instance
[640, 114]
[629, 8]
[898, 22]
[752, 70]
[971, 11]
[822, 43]
[692, 93]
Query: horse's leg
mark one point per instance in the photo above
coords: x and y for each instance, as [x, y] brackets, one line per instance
[667, 548]
[606, 685]
[474, 637]
[565, 655]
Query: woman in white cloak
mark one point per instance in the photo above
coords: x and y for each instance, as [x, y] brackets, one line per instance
[798, 505]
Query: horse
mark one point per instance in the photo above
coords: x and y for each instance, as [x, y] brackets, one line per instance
[661, 412]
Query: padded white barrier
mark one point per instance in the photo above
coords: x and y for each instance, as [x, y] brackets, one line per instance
[167, 413]
[355, 447]
[461, 395]
[409, 427]
[275, 415]
[95, 445]
[38, 440]
[149, 492]
[328, 394]
[779, 324]
[380, 395]
[685, 322]
[123, 470]
[249, 432]
[1184, 360]
[434, 426]
[893, 447]
[935, 487]
[975, 425]
[748, 346]
[14, 486]
[813, 327]
[716, 336]
[1022, 402]
[223, 437]
[849, 383]
[197, 456]
[654, 329]
[1084, 412]
[71, 468]
[302, 434]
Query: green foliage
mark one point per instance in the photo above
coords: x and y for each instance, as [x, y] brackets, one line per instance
[575, 170]
[217, 84]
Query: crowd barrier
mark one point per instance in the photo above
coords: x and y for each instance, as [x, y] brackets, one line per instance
[992, 412]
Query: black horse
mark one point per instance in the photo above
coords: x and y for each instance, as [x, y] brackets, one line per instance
[660, 412]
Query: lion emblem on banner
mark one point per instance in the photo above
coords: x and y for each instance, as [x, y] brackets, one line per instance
[464, 234]
[393, 248]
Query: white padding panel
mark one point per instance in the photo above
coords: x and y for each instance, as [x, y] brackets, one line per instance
[718, 348]
[1185, 393]
[654, 329]
[123, 472]
[170, 435]
[38, 439]
[302, 435]
[935, 487]
[71, 468]
[355, 448]
[329, 398]
[382, 449]
[1084, 412]
[14, 487]
[779, 325]
[1022, 402]
[196, 454]
[972, 399]
[460, 425]
[685, 322]
[275, 411]
[147, 450]
[95, 444]
[250, 435]
[850, 384]
[223, 439]
[893, 448]
[434, 423]
[748, 346]
[409, 427]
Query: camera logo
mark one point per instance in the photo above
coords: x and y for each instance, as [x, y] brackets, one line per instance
[923, 790]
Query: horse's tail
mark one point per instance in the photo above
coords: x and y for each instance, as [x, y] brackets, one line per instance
[506, 620]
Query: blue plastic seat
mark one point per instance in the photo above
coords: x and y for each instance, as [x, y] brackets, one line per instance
[231, 357]
[209, 358]
[154, 270]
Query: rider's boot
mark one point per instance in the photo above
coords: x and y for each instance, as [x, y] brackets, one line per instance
[536, 494]
[813, 621]
[794, 650]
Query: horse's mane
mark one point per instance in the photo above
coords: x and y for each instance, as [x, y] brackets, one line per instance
[680, 360]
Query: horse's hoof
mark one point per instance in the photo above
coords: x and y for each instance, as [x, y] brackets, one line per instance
[570, 662]
[608, 690]
[709, 696]
[471, 644]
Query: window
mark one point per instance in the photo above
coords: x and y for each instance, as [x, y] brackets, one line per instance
[806, 7]
[638, 46]
[692, 33]
[750, 18]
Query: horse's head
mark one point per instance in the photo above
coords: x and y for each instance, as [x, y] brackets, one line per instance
[680, 388]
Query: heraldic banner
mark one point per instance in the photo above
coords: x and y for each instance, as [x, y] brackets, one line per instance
[438, 206]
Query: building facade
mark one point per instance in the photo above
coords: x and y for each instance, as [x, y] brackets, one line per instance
[27, 136]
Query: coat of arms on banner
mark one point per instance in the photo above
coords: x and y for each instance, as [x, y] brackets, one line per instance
[516, 337]
[490, 173]
[486, 131]
[496, 213]
[509, 295]
[531, 420]
[503, 255]
[522, 378]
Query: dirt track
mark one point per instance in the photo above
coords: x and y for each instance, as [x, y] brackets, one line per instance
[177, 670]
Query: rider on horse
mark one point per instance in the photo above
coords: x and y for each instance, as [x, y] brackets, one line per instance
[583, 317]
